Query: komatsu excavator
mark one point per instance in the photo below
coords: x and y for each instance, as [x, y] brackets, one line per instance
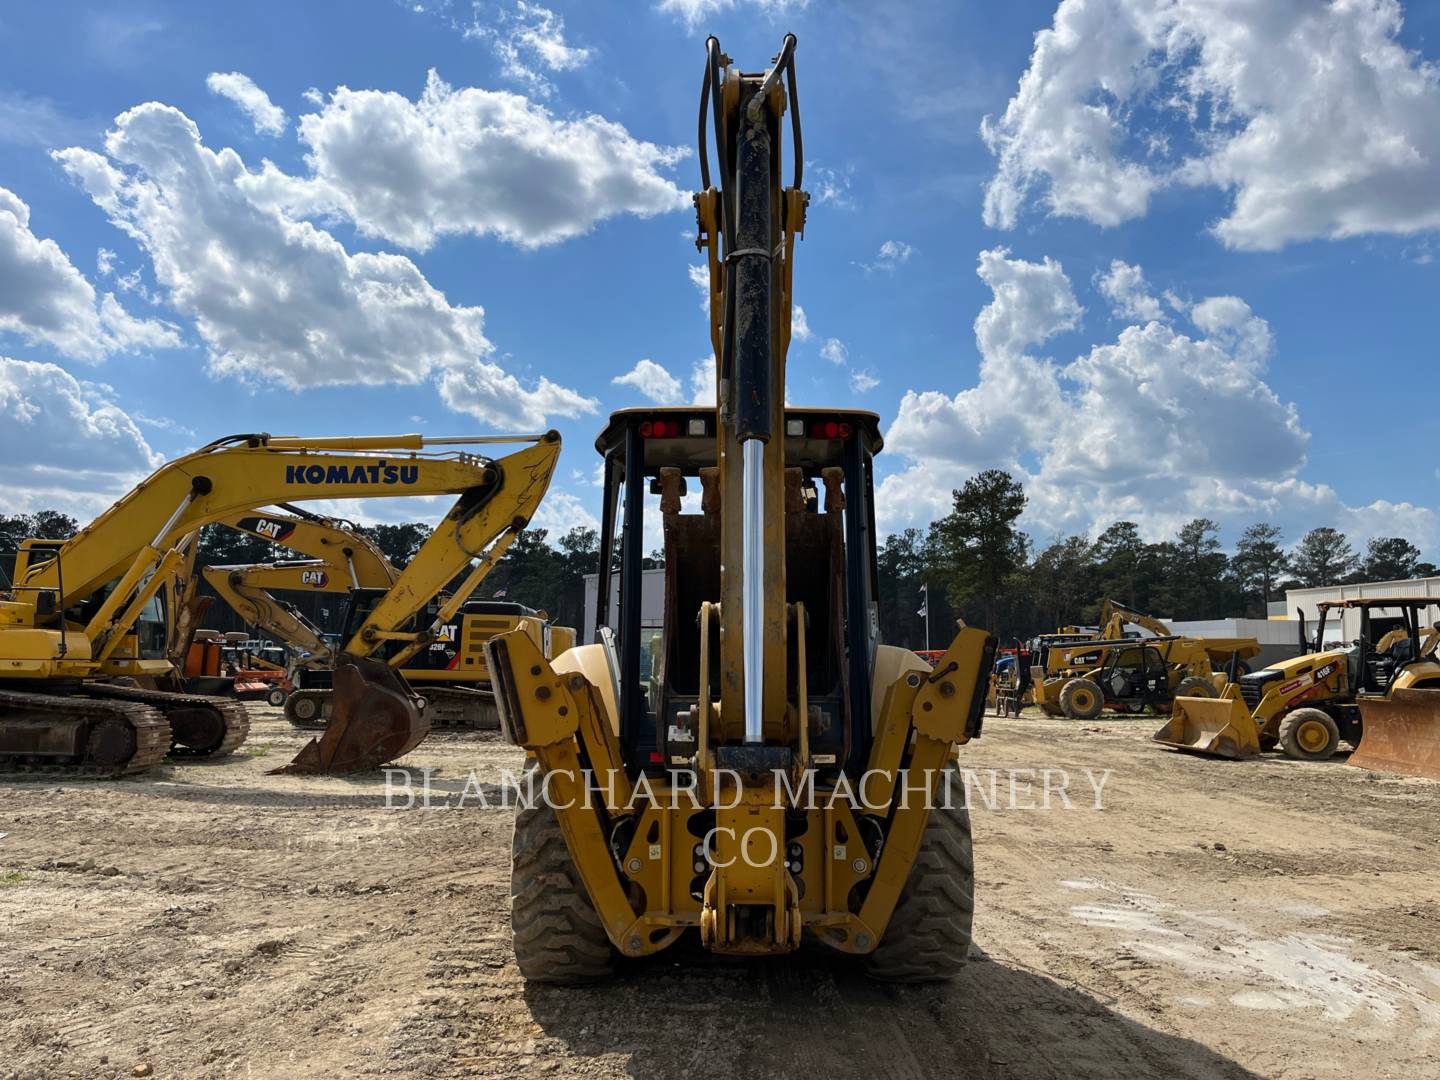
[780, 775]
[449, 674]
[84, 612]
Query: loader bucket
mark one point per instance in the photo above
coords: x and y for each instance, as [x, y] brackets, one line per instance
[375, 719]
[1221, 727]
[1400, 733]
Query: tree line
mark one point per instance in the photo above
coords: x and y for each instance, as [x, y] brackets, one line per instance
[981, 567]
[978, 564]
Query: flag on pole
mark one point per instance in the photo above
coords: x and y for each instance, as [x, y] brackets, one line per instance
[924, 611]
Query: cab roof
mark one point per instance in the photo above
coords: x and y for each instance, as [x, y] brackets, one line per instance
[697, 450]
[1380, 601]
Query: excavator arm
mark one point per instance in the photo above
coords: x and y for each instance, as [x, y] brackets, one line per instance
[249, 591]
[341, 558]
[478, 529]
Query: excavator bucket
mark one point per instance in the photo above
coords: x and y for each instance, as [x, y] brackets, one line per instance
[1221, 727]
[375, 719]
[1400, 733]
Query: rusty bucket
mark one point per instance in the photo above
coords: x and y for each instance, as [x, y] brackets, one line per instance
[1400, 733]
[375, 720]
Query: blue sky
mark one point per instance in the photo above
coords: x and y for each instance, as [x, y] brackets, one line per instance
[1188, 266]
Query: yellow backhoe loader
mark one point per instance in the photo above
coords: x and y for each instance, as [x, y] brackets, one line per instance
[772, 780]
[85, 612]
[449, 674]
[1132, 674]
[1044, 650]
[1306, 706]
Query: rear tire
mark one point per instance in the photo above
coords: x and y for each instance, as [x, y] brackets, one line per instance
[558, 937]
[1081, 699]
[276, 698]
[928, 937]
[1196, 686]
[1309, 735]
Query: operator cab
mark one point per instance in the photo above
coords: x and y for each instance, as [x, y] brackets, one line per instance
[830, 567]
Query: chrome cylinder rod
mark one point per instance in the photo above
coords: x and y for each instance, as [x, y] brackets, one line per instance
[752, 570]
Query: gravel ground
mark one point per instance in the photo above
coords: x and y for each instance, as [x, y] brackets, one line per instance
[1214, 919]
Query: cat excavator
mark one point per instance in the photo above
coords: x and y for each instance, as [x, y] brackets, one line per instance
[777, 775]
[83, 640]
[338, 558]
[449, 674]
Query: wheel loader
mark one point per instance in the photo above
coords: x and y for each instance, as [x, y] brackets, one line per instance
[719, 799]
[1307, 705]
[449, 674]
[83, 639]
[1132, 674]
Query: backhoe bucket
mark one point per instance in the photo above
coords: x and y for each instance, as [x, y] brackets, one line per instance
[375, 719]
[1400, 733]
[1221, 727]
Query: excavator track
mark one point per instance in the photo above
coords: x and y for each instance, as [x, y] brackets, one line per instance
[114, 738]
[448, 708]
[460, 708]
[193, 718]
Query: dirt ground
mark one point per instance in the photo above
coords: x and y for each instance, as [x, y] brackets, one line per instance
[1215, 919]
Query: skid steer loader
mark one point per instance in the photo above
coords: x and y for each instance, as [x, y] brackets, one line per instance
[83, 640]
[1307, 705]
[720, 798]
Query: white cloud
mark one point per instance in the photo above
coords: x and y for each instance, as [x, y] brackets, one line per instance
[892, 253]
[45, 299]
[834, 350]
[1014, 403]
[93, 450]
[528, 39]
[653, 381]
[491, 394]
[829, 185]
[1157, 426]
[562, 511]
[1314, 118]
[700, 278]
[482, 162]
[799, 324]
[1129, 294]
[281, 300]
[702, 381]
[863, 381]
[268, 118]
[696, 11]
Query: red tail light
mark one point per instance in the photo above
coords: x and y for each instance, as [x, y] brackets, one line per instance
[829, 429]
